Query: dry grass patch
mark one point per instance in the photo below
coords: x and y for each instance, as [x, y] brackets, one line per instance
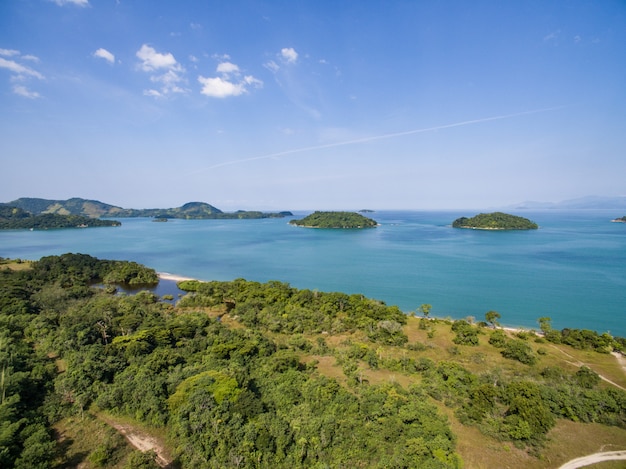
[85, 441]
[16, 265]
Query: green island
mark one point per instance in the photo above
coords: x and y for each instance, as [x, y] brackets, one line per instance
[343, 220]
[244, 374]
[14, 218]
[619, 220]
[97, 209]
[495, 221]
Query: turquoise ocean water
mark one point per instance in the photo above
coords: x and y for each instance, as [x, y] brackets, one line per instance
[572, 269]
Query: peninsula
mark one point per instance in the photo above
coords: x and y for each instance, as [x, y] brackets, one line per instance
[14, 218]
[495, 221]
[97, 209]
[343, 220]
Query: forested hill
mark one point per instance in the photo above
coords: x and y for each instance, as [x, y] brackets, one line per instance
[13, 218]
[73, 206]
[97, 209]
[244, 374]
[495, 221]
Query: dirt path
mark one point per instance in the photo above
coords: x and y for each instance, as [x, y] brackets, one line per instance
[620, 358]
[594, 459]
[141, 440]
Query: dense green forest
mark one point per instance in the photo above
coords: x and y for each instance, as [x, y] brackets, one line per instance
[495, 221]
[234, 373]
[346, 220]
[14, 218]
[96, 209]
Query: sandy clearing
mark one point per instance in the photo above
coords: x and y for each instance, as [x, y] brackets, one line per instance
[141, 441]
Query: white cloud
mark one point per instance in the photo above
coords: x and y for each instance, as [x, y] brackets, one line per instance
[9, 52]
[152, 60]
[227, 68]
[19, 69]
[104, 54]
[220, 88]
[289, 54]
[80, 3]
[153, 93]
[25, 92]
[169, 81]
[170, 71]
[229, 83]
[20, 72]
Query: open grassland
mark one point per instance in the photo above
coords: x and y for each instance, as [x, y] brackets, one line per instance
[566, 441]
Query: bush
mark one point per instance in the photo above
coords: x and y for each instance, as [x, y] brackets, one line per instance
[519, 350]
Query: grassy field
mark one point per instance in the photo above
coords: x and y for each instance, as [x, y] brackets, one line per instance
[566, 441]
[86, 439]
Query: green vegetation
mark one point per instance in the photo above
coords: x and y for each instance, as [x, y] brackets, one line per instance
[495, 221]
[620, 220]
[248, 374]
[95, 209]
[346, 220]
[14, 218]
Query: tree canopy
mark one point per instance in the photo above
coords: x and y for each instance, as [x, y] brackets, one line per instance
[14, 218]
[495, 221]
[230, 374]
[347, 220]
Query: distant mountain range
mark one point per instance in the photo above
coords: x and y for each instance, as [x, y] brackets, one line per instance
[590, 202]
[97, 209]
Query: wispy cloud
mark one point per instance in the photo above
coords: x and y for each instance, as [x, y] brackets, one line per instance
[287, 55]
[105, 54]
[21, 90]
[374, 138]
[552, 36]
[230, 81]
[20, 72]
[80, 3]
[165, 70]
[19, 69]
[9, 52]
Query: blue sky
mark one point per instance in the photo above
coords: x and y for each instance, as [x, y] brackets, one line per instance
[292, 105]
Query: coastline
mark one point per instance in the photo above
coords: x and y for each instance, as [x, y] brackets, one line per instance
[512, 329]
[174, 277]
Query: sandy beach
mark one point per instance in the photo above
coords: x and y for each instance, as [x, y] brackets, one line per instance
[177, 278]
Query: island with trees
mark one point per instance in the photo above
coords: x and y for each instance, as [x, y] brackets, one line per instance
[619, 220]
[495, 221]
[243, 374]
[337, 220]
[14, 218]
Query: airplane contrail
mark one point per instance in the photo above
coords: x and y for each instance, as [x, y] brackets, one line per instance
[375, 137]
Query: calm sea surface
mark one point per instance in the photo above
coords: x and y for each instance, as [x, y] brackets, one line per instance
[572, 269]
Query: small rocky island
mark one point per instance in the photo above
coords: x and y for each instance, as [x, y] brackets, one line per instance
[619, 220]
[495, 221]
[343, 220]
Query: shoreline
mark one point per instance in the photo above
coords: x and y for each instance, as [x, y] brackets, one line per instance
[174, 277]
[513, 329]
